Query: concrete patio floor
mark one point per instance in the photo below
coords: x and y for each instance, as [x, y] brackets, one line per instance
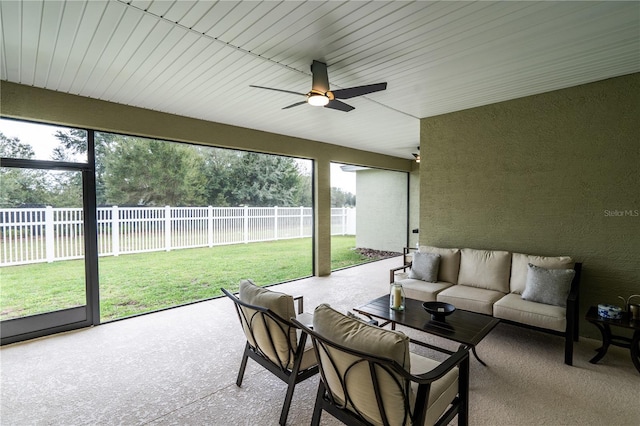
[179, 366]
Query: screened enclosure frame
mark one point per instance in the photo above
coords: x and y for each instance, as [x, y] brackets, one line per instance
[30, 327]
[43, 324]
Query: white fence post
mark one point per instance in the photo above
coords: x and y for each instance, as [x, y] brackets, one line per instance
[275, 222]
[246, 224]
[344, 221]
[301, 221]
[49, 234]
[115, 230]
[210, 226]
[167, 228]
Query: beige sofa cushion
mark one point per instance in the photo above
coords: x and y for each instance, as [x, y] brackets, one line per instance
[513, 308]
[282, 305]
[358, 335]
[470, 298]
[519, 264]
[487, 269]
[449, 262]
[422, 290]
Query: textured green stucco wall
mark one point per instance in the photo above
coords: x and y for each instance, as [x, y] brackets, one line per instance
[551, 174]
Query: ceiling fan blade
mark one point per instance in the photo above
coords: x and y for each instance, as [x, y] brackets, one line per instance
[320, 77]
[352, 92]
[278, 90]
[339, 106]
[295, 105]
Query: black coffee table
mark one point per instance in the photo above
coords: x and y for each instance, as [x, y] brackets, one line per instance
[465, 327]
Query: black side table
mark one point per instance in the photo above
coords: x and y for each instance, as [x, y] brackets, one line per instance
[604, 325]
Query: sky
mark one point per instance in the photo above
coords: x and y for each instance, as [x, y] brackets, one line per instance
[41, 138]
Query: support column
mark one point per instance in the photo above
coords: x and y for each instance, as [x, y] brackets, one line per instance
[322, 217]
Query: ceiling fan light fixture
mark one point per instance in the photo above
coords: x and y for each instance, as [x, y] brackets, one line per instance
[317, 100]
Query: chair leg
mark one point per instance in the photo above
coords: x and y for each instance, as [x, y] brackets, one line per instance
[317, 410]
[291, 386]
[463, 391]
[243, 365]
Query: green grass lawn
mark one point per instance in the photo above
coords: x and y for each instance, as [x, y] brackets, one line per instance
[136, 283]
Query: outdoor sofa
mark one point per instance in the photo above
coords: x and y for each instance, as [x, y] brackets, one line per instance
[537, 292]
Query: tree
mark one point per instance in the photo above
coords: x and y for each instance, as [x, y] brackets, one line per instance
[218, 171]
[341, 198]
[74, 142]
[302, 195]
[20, 186]
[264, 180]
[138, 171]
[148, 172]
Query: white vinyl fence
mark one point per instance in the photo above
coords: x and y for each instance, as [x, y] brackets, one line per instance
[32, 235]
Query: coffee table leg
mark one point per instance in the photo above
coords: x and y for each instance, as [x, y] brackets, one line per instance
[473, 349]
[606, 340]
[635, 349]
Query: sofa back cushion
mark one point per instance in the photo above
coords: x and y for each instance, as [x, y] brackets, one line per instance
[519, 268]
[485, 269]
[449, 262]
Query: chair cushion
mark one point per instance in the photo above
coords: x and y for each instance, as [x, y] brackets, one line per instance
[282, 305]
[470, 298]
[355, 334]
[422, 290]
[519, 268]
[549, 286]
[485, 269]
[309, 355]
[358, 335]
[449, 262]
[442, 391]
[425, 266]
[513, 308]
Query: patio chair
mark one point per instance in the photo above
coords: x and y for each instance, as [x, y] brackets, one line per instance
[272, 340]
[369, 377]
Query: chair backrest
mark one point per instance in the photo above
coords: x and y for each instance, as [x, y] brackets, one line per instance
[365, 369]
[264, 316]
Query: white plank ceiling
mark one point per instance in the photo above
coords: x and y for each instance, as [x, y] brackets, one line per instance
[198, 58]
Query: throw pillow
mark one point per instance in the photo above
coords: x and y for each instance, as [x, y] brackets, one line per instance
[548, 286]
[425, 267]
[282, 305]
[356, 334]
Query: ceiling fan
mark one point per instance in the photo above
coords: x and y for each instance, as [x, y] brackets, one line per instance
[320, 95]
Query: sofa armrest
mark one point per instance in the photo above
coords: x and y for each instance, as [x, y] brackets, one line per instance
[406, 252]
[394, 270]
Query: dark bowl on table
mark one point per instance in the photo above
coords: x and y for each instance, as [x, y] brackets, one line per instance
[438, 310]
